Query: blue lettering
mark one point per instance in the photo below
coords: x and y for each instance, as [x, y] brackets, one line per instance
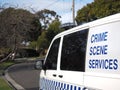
[93, 63]
[111, 64]
[99, 37]
[98, 50]
[105, 36]
[100, 63]
[92, 38]
[96, 64]
[115, 64]
[90, 64]
[105, 49]
[106, 63]
[91, 50]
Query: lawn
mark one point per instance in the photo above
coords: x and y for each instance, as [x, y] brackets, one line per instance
[5, 65]
[4, 85]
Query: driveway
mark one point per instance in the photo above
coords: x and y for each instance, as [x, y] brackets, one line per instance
[25, 75]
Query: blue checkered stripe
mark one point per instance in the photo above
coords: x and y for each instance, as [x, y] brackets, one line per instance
[46, 84]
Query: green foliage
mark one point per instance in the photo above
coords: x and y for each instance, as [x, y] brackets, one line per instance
[16, 26]
[42, 42]
[53, 29]
[97, 9]
[33, 45]
[46, 37]
[4, 50]
[3, 66]
[6, 64]
[46, 17]
[4, 85]
[35, 30]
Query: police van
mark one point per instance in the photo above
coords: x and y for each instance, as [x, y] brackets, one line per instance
[86, 57]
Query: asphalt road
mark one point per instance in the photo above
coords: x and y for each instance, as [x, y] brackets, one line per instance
[25, 75]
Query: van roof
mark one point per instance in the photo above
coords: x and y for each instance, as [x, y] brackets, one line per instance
[102, 21]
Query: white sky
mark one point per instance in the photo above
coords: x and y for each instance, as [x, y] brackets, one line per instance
[62, 7]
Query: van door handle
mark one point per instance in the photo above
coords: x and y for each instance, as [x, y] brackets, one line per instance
[60, 76]
[54, 75]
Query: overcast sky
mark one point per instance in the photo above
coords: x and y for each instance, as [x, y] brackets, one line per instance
[62, 7]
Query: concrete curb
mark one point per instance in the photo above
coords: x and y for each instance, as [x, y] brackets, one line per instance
[15, 85]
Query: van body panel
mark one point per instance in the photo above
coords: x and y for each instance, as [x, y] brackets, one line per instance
[71, 77]
[102, 81]
[88, 58]
[103, 49]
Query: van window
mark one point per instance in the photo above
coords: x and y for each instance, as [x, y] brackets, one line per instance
[51, 61]
[73, 51]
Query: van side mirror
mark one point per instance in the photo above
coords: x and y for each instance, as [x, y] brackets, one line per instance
[39, 65]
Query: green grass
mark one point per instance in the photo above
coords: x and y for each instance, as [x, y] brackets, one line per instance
[4, 85]
[5, 65]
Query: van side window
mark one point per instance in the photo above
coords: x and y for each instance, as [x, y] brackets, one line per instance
[73, 51]
[51, 61]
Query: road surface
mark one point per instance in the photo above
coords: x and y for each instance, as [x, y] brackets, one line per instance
[25, 75]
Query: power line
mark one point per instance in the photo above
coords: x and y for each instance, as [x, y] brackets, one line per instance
[73, 8]
[52, 3]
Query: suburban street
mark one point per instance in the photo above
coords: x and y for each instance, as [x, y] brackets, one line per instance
[25, 75]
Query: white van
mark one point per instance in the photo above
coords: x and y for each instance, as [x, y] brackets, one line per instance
[86, 57]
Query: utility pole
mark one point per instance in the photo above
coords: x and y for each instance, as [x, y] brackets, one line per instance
[73, 10]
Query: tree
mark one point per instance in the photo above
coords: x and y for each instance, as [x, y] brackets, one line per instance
[46, 37]
[98, 9]
[33, 45]
[42, 42]
[46, 17]
[53, 29]
[16, 26]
